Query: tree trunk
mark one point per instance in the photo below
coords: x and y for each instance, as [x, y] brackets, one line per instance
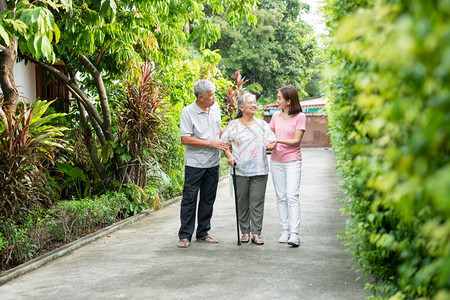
[3, 5]
[106, 113]
[90, 145]
[10, 93]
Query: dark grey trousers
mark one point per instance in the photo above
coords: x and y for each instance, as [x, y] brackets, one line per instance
[204, 180]
[251, 192]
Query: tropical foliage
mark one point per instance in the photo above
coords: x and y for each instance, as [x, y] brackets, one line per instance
[131, 71]
[389, 112]
[28, 144]
[27, 148]
[99, 40]
[141, 125]
[229, 104]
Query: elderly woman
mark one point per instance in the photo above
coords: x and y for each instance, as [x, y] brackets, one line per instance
[248, 138]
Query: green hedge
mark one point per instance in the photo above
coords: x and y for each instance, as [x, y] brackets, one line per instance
[389, 120]
[75, 218]
[22, 239]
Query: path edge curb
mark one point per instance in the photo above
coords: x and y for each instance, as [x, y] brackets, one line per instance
[72, 246]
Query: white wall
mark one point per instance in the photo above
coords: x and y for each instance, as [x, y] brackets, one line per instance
[25, 79]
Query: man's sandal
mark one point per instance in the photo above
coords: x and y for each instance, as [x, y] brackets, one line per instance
[207, 239]
[183, 243]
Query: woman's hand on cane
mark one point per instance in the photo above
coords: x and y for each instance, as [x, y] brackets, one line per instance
[231, 161]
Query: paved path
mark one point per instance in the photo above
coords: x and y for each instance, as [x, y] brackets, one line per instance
[141, 260]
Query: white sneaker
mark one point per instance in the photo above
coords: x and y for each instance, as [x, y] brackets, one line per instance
[284, 237]
[294, 240]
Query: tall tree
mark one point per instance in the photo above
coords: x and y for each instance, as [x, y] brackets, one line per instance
[278, 50]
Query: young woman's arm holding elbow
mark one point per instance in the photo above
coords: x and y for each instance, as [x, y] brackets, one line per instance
[295, 142]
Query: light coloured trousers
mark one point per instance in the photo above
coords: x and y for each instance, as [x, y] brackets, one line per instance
[286, 181]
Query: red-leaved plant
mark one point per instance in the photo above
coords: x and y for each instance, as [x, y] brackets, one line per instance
[229, 106]
[141, 125]
[27, 144]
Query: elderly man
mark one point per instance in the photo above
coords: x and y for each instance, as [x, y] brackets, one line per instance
[200, 131]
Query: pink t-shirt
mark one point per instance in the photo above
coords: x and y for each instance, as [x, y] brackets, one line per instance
[285, 130]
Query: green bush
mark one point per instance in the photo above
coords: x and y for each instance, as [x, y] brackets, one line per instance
[38, 231]
[23, 238]
[389, 116]
[2, 242]
[75, 218]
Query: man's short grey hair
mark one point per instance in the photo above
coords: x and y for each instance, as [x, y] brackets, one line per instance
[245, 96]
[203, 86]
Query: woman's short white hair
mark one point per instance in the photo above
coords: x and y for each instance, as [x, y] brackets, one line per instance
[203, 86]
[245, 96]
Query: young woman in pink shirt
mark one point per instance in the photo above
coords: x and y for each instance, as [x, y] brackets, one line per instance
[289, 126]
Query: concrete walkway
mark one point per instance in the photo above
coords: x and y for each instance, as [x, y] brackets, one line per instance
[141, 260]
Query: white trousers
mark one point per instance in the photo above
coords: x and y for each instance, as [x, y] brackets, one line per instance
[286, 181]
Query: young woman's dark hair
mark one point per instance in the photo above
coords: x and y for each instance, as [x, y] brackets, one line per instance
[290, 93]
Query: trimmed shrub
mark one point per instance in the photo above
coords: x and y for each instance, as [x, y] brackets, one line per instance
[23, 238]
[75, 218]
[36, 232]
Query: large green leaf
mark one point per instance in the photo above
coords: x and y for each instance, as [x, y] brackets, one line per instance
[73, 172]
[44, 47]
[108, 8]
[4, 35]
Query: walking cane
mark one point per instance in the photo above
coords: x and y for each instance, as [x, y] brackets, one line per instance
[236, 204]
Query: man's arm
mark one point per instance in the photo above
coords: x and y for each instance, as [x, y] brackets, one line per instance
[196, 142]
